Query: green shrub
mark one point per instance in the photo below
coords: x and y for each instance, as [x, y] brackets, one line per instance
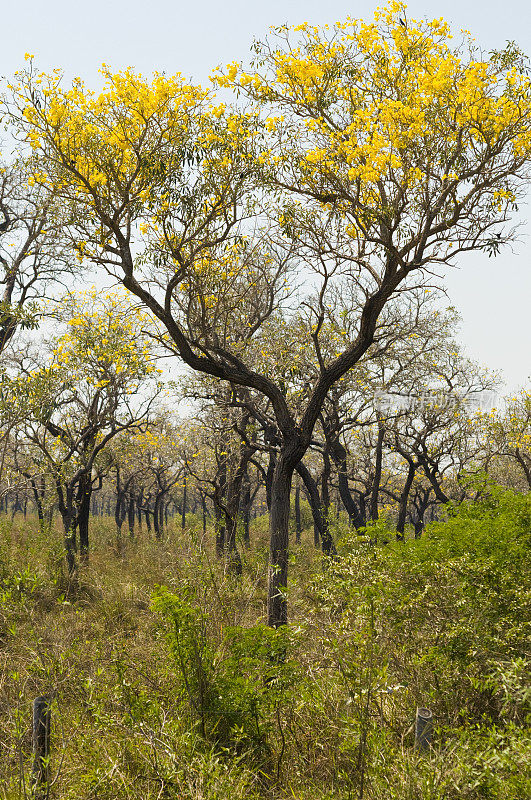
[233, 685]
[443, 622]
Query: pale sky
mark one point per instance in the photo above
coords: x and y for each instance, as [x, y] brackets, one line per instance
[492, 295]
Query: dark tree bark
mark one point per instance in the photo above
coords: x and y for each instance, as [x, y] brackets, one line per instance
[377, 479]
[139, 500]
[356, 513]
[39, 494]
[246, 511]
[404, 497]
[148, 512]
[131, 514]
[421, 503]
[279, 539]
[219, 521]
[218, 499]
[338, 452]
[325, 481]
[298, 524]
[183, 509]
[269, 478]
[233, 504]
[65, 502]
[157, 514]
[84, 494]
[120, 509]
[431, 471]
[203, 511]
[319, 512]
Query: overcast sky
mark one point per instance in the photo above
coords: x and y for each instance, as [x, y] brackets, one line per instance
[492, 295]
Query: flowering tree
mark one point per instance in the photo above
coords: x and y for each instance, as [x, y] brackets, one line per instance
[87, 392]
[31, 256]
[509, 433]
[379, 150]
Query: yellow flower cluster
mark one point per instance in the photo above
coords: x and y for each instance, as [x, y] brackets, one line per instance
[104, 342]
[371, 97]
[96, 139]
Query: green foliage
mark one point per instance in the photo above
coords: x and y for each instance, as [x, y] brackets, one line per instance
[232, 684]
[457, 600]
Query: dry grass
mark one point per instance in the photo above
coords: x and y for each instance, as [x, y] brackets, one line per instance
[122, 726]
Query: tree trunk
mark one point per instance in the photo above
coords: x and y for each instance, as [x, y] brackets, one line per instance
[431, 474]
[298, 524]
[162, 515]
[66, 509]
[355, 516]
[39, 494]
[156, 520]
[325, 482]
[119, 516]
[421, 502]
[320, 516]
[183, 510]
[339, 454]
[15, 507]
[139, 499]
[403, 501]
[269, 480]
[158, 516]
[234, 562]
[277, 608]
[246, 502]
[233, 505]
[219, 507]
[84, 494]
[219, 522]
[204, 513]
[69, 540]
[521, 460]
[377, 473]
[83, 519]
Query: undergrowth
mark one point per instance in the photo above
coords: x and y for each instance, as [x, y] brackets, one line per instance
[166, 683]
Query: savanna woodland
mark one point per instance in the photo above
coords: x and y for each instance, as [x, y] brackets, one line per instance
[262, 532]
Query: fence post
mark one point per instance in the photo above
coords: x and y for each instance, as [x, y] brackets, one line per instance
[423, 728]
[41, 746]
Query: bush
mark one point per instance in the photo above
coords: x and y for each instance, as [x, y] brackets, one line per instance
[233, 685]
[441, 622]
